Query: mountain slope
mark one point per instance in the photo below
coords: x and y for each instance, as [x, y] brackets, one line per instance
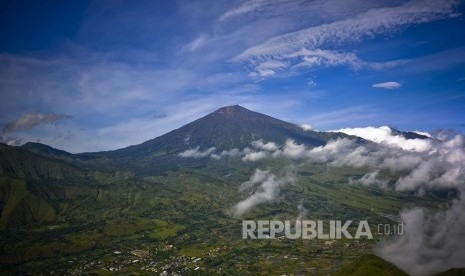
[48, 151]
[370, 265]
[18, 206]
[32, 184]
[19, 162]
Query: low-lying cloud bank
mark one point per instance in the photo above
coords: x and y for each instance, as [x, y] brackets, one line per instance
[432, 241]
[414, 164]
[385, 135]
[11, 141]
[442, 166]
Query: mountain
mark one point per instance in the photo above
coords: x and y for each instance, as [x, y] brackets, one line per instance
[48, 151]
[22, 187]
[21, 162]
[226, 128]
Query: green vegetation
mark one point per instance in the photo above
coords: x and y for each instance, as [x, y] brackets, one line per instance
[164, 230]
[370, 265]
[20, 206]
[126, 228]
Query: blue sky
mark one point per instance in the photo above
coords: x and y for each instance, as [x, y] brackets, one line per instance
[100, 75]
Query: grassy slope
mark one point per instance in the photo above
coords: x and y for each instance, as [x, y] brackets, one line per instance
[370, 264]
[20, 206]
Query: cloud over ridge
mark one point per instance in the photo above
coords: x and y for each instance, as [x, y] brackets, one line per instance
[30, 120]
[196, 152]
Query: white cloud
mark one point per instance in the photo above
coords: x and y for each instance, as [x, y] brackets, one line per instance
[195, 44]
[369, 179]
[245, 8]
[255, 156]
[311, 83]
[259, 144]
[11, 141]
[196, 153]
[267, 191]
[432, 241]
[319, 57]
[423, 133]
[258, 177]
[232, 152]
[268, 68]
[307, 127]
[387, 85]
[260, 151]
[385, 136]
[293, 150]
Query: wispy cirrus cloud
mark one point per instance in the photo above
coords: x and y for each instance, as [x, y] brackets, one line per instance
[245, 8]
[318, 58]
[366, 25]
[298, 9]
[387, 85]
[343, 116]
[195, 44]
[268, 68]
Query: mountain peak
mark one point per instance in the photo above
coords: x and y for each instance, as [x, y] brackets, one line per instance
[236, 112]
[231, 110]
